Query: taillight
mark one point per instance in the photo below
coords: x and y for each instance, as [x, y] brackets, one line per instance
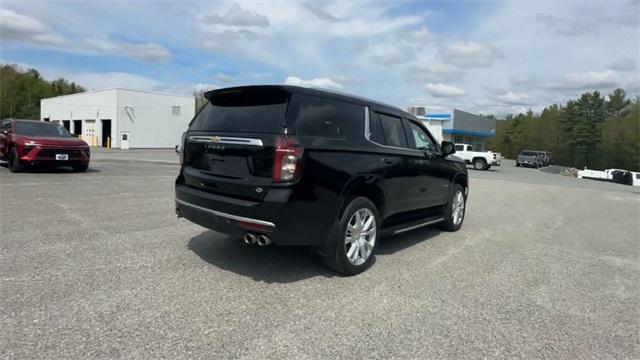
[286, 166]
[182, 147]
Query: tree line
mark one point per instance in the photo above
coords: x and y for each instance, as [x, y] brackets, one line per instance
[594, 131]
[21, 91]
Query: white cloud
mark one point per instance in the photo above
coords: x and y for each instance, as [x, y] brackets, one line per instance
[324, 83]
[514, 98]
[435, 73]
[591, 80]
[401, 47]
[469, 55]
[237, 16]
[443, 90]
[224, 78]
[140, 51]
[625, 64]
[99, 81]
[15, 26]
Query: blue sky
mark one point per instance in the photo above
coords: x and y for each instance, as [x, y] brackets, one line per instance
[491, 57]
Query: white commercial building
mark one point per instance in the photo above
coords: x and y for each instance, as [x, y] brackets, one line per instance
[122, 118]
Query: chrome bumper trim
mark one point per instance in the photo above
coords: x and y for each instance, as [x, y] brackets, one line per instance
[225, 215]
[417, 226]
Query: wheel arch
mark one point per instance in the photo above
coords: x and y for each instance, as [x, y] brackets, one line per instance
[366, 186]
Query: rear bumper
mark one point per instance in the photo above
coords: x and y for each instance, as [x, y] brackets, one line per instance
[495, 163]
[278, 215]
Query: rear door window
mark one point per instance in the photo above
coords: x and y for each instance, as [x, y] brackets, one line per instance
[375, 129]
[326, 118]
[243, 110]
[393, 130]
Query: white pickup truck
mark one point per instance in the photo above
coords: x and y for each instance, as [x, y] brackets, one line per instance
[479, 160]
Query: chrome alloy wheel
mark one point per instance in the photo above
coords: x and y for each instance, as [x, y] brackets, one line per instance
[457, 208]
[360, 236]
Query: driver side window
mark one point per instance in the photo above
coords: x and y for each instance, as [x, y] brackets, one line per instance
[421, 140]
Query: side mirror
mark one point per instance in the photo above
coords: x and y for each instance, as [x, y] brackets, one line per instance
[447, 148]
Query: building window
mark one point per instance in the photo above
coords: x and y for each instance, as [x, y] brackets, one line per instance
[175, 110]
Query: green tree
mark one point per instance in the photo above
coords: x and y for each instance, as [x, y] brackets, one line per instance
[21, 91]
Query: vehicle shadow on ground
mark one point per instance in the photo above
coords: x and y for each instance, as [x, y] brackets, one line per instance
[52, 170]
[270, 264]
[393, 244]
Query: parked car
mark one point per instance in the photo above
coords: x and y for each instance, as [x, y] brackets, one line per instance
[529, 158]
[25, 143]
[546, 158]
[481, 160]
[296, 166]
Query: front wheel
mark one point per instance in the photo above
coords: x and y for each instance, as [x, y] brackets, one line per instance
[479, 164]
[455, 210]
[14, 161]
[356, 238]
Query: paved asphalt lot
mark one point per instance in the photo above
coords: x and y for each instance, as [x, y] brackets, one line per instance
[95, 265]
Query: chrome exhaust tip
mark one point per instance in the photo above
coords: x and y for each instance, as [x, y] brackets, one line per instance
[250, 238]
[264, 240]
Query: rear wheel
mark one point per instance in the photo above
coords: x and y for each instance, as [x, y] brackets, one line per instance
[479, 164]
[14, 161]
[356, 238]
[517, 164]
[455, 210]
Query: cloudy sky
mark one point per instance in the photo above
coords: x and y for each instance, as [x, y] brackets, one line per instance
[487, 57]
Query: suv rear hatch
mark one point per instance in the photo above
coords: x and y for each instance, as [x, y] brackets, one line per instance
[230, 146]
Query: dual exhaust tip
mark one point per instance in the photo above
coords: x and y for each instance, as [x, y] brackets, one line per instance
[260, 239]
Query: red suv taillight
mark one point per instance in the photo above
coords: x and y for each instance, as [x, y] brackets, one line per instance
[286, 166]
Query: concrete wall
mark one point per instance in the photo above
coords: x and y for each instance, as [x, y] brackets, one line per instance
[149, 119]
[463, 120]
[90, 107]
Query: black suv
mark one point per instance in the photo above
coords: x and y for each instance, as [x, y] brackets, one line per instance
[297, 166]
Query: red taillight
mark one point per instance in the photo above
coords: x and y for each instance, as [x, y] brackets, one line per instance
[181, 149]
[286, 165]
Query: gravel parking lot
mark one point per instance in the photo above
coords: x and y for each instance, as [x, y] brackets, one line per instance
[96, 265]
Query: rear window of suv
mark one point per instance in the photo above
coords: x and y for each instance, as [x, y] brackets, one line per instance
[528, 153]
[243, 110]
[326, 118]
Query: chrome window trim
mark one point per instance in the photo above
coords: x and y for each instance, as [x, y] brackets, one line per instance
[367, 134]
[226, 140]
[225, 215]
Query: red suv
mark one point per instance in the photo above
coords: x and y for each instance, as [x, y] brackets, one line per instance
[30, 143]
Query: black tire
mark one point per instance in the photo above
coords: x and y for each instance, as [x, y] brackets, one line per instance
[479, 164]
[14, 165]
[336, 257]
[449, 224]
[80, 168]
[517, 164]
